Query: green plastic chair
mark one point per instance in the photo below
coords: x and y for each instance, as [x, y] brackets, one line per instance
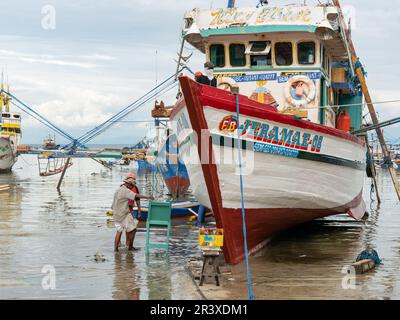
[159, 214]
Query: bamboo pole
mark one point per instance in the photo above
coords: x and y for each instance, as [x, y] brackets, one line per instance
[371, 107]
[63, 174]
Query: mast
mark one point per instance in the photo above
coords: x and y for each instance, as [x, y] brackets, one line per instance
[360, 72]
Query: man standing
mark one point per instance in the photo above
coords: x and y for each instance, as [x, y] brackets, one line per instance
[131, 236]
[207, 79]
[123, 219]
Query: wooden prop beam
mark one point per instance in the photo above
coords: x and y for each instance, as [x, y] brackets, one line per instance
[371, 108]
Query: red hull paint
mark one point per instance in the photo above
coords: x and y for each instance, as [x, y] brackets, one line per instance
[221, 99]
[177, 185]
[261, 223]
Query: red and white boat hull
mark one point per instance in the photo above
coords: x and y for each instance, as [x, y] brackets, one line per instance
[293, 171]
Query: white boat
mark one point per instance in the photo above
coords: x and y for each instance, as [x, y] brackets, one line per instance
[10, 135]
[289, 64]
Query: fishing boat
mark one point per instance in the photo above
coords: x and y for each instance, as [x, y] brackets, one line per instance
[10, 134]
[280, 71]
[167, 160]
[172, 169]
[49, 143]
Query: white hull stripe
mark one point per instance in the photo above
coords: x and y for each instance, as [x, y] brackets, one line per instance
[262, 147]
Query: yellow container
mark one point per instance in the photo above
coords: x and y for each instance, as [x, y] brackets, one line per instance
[211, 238]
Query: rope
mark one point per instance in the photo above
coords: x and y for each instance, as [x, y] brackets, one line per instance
[353, 104]
[23, 106]
[158, 90]
[246, 252]
[29, 164]
[105, 126]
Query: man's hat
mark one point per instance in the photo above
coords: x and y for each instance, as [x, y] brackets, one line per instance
[131, 175]
[130, 180]
[209, 65]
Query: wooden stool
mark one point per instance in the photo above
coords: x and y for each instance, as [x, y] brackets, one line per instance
[210, 259]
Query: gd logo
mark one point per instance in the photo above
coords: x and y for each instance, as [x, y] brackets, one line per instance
[228, 123]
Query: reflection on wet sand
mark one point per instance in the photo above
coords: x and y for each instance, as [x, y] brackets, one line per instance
[311, 261]
[126, 285]
[159, 288]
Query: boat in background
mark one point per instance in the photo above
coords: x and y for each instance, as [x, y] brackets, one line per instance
[49, 143]
[10, 133]
[297, 164]
[172, 169]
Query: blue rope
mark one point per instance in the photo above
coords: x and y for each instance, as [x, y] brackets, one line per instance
[29, 111]
[23, 106]
[246, 252]
[160, 89]
[132, 105]
[359, 65]
[127, 112]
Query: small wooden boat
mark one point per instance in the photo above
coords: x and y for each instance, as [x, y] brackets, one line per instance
[54, 171]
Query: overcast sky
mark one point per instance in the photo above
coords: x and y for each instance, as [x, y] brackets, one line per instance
[103, 54]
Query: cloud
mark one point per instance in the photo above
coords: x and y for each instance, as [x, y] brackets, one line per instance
[57, 62]
[102, 56]
[97, 56]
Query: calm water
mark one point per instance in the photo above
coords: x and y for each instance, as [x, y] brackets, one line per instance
[40, 227]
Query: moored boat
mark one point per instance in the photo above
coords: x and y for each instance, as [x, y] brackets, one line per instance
[291, 66]
[172, 169]
[10, 134]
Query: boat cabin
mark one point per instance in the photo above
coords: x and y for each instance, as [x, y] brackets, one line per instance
[293, 57]
[10, 124]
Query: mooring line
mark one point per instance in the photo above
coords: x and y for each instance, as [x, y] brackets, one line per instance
[246, 251]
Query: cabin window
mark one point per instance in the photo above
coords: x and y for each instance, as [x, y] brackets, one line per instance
[284, 53]
[306, 52]
[237, 55]
[260, 53]
[217, 55]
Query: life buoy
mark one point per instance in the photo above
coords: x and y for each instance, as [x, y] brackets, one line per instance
[226, 83]
[308, 97]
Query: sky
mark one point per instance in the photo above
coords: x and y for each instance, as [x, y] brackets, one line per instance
[101, 55]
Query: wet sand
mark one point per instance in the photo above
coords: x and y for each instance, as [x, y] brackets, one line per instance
[40, 227]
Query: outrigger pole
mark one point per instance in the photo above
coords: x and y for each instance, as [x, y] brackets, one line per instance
[378, 126]
[361, 75]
